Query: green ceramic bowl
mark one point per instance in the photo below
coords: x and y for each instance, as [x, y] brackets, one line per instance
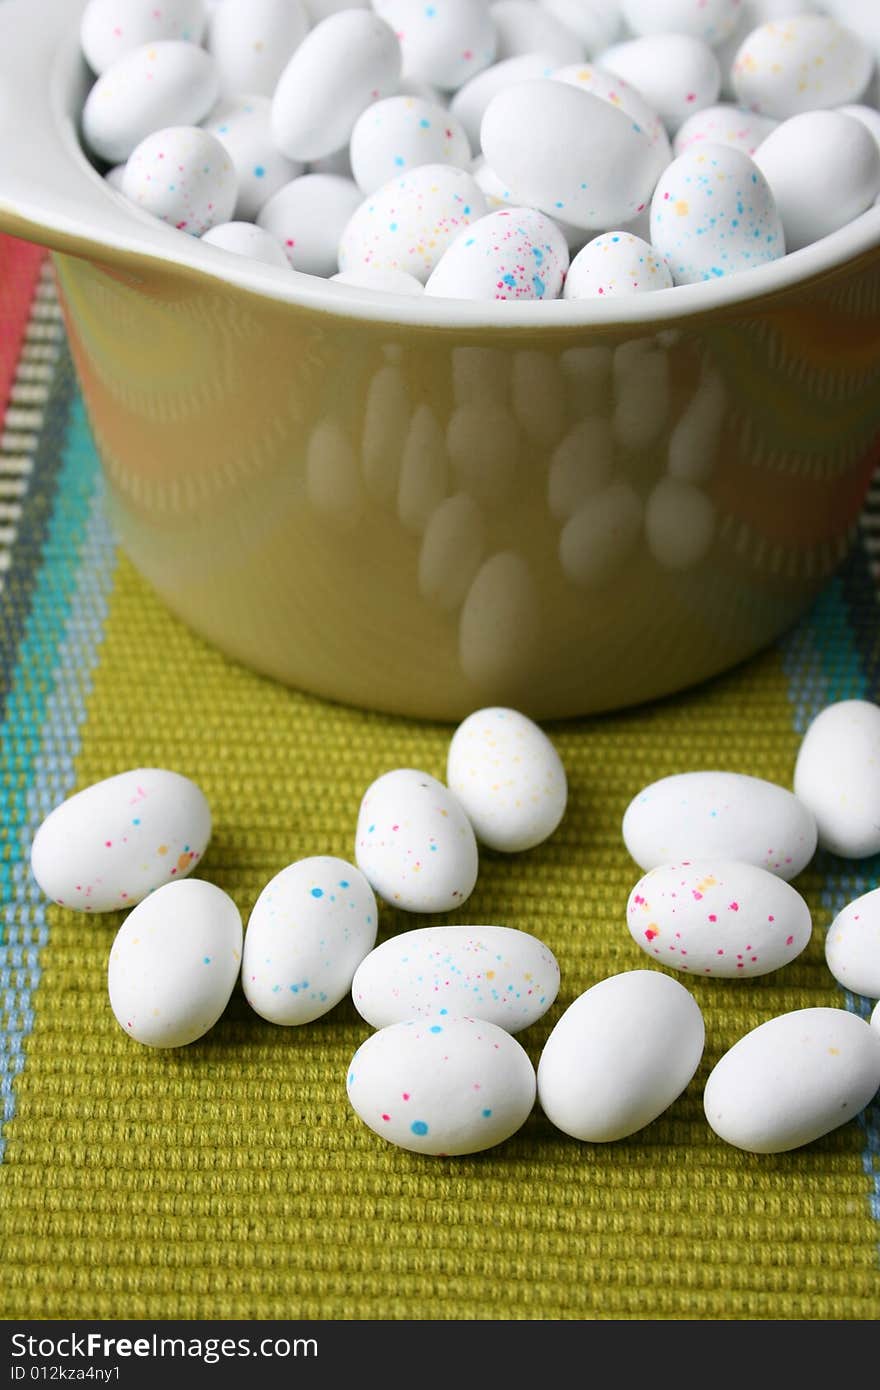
[424, 506]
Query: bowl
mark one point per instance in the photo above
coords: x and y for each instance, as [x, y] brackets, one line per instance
[421, 506]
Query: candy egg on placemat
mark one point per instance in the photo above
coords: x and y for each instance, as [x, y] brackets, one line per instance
[503, 975]
[109, 845]
[442, 1086]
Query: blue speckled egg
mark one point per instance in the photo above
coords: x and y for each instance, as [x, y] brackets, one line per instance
[309, 930]
[713, 214]
[442, 1086]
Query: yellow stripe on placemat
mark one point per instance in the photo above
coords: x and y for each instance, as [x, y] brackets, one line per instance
[230, 1179]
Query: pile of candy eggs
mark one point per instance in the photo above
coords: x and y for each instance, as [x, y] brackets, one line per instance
[515, 150]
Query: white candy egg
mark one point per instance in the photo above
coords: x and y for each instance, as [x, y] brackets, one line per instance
[875, 1017]
[382, 281]
[823, 168]
[110, 28]
[408, 223]
[724, 124]
[508, 777]
[174, 963]
[614, 89]
[445, 1087]
[171, 83]
[415, 844]
[719, 917]
[724, 814]
[596, 23]
[852, 945]
[620, 1055]
[569, 153]
[251, 42]
[401, 133]
[309, 930]
[469, 103]
[675, 73]
[527, 28]
[869, 117]
[835, 775]
[108, 846]
[710, 20]
[320, 9]
[246, 239]
[616, 263]
[792, 1079]
[497, 973]
[443, 43]
[243, 127]
[713, 214]
[515, 253]
[184, 176]
[800, 63]
[342, 65]
[307, 217]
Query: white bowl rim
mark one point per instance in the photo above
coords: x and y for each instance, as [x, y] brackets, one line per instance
[46, 74]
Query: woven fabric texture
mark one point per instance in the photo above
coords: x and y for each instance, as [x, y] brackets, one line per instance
[230, 1178]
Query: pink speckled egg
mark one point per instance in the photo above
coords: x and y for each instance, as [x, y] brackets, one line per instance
[184, 176]
[613, 264]
[718, 917]
[514, 253]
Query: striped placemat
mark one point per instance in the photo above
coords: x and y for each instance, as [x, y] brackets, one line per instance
[230, 1179]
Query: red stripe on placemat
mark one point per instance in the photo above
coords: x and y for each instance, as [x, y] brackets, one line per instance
[19, 271]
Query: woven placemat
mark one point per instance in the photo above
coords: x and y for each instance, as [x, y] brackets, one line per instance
[231, 1179]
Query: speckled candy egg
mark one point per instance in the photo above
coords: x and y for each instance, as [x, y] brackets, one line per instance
[616, 263]
[724, 124]
[718, 917]
[243, 126]
[508, 777]
[174, 963]
[608, 86]
[675, 73]
[246, 239]
[836, 775]
[183, 176]
[710, 20]
[444, 1087]
[570, 153]
[443, 43]
[108, 846]
[309, 930]
[408, 223]
[497, 973]
[801, 63]
[349, 60]
[514, 253]
[401, 133]
[852, 945]
[251, 42]
[620, 1055]
[724, 814]
[307, 216]
[110, 28]
[713, 214]
[415, 844]
[158, 85]
[792, 1079]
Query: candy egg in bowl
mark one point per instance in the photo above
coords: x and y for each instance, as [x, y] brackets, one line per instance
[423, 504]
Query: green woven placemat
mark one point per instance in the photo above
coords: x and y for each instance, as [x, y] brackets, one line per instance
[231, 1179]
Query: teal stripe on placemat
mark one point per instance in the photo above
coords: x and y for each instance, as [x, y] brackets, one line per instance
[39, 736]
[823, 662]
